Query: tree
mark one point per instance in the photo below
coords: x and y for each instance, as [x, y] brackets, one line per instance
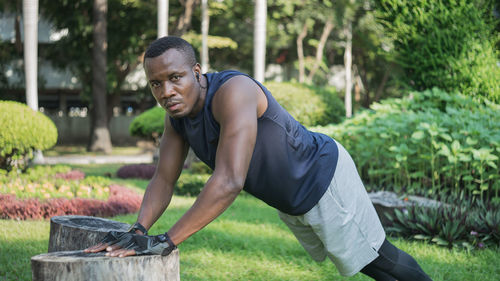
[205, 21]
[162, 18]
[100, 139]
[260, 39]
[30, 20]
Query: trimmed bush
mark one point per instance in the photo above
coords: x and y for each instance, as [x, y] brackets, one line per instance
[140, 171]
[149, 124]
[309, 105]
[431, 143]
[23, 131]
[121, 201]
[190, 184]
[445, 44]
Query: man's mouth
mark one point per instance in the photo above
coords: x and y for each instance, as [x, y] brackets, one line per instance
[172, 106]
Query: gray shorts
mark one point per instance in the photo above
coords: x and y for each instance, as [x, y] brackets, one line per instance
[343, 225]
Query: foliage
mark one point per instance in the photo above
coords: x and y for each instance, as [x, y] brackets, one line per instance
[121, 201]
[149, 124]
[190, 184]
[213, 42]
[430, 143]
[446, 44]
[199, 167]
[23, 131]
[307, 104]
[130, 28]
[470, 225]
[141, 171]
[44, 182]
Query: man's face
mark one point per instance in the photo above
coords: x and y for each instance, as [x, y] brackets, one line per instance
[173, 83]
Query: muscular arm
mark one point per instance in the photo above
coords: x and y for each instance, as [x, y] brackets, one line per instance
[235, 107]
[173, 151]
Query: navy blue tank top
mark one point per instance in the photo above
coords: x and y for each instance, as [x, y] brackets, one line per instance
[290, 168]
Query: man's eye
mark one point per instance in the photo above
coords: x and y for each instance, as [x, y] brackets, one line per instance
[155, 84]
[175, 77]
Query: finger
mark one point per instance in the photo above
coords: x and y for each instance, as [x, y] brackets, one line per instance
[119, 253]
[96, 248]
[113, 248]
[127, 253]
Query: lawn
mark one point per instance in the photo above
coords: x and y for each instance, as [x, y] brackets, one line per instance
[247, 242]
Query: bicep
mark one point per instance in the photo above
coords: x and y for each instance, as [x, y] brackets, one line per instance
[235, 109]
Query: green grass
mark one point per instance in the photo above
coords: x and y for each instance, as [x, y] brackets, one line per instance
[247, 242]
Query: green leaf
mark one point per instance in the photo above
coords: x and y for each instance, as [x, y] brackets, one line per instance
[418, 135]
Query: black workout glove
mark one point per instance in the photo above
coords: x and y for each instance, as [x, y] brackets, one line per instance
[141, 244]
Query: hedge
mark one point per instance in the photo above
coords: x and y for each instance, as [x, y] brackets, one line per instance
[149, 124]
[430, 143]
[23, 130]
[121, 201]
[309, 105]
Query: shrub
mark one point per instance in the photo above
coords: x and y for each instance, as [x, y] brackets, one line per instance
[190, 184]
[149, 124]
[121, 201]
[23, 131]
[200, 168]
[141, 171]
[470, 225]
[45, 182]
[309, 105]
[445, 44]
[431, 143]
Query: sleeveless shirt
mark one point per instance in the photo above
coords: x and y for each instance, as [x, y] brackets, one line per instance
[291, 167]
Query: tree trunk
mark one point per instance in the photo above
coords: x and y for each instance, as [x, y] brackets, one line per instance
[100, 139]
[380, 89]
[327, 29]
[259, 40]
[69, 233]
[17, 27]
[205, 21]
[30, 21]
[162, 18]
[348, 67]
[300, 53]
[79, 266]
[185, 20]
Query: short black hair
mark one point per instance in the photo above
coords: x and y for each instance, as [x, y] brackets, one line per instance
[161, 45]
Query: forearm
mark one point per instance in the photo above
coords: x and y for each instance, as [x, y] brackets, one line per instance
[214, 199]
[156, 199]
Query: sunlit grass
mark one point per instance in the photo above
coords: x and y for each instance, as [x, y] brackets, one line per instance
[247, 242]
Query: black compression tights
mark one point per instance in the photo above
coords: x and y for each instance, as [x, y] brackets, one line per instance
[393, 264]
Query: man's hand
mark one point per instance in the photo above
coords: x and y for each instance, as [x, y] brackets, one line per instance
[122, 244]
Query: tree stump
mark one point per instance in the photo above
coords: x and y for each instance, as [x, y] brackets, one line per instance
[386, 202]
[80, 266]
[69, 233]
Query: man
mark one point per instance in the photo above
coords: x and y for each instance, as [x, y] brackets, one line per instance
[236, 127]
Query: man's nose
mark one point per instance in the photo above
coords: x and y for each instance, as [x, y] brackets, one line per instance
[167, 91]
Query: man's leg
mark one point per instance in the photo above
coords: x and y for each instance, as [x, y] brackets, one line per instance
[394, 264]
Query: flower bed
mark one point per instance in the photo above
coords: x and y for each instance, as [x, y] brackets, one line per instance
[45, 191]
[121, 201]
